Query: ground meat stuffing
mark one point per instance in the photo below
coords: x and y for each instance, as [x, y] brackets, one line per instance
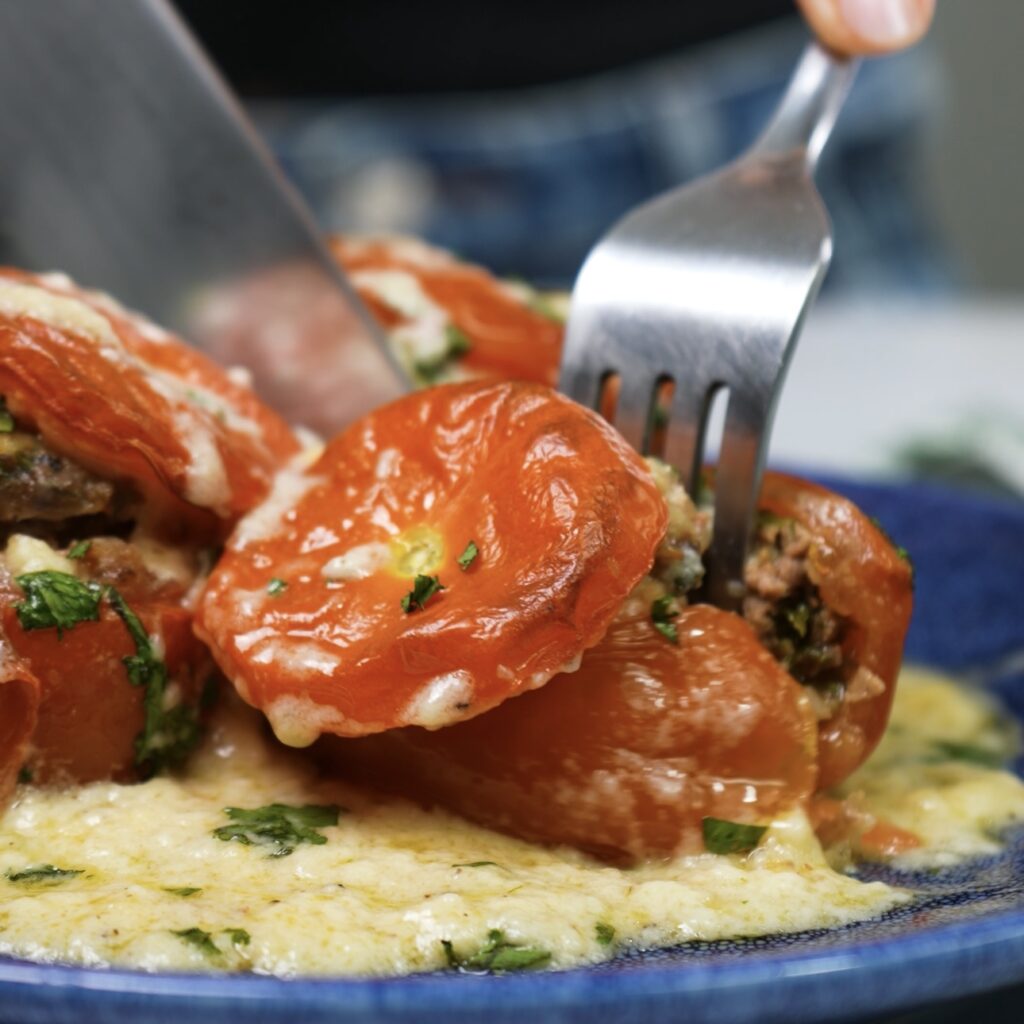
[38, 484]
[785, 609]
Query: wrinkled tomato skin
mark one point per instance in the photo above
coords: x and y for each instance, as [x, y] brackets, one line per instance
[508, 339]
[88, 713]
[624, 757]
[110, 413]
[19, 706]
[566, 518]
[862, 578]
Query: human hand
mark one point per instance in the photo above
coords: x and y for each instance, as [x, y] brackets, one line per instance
[864, 27]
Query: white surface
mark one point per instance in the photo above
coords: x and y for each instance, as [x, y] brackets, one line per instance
[867, 379]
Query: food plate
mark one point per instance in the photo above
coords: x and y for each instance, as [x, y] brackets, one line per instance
[963, 934]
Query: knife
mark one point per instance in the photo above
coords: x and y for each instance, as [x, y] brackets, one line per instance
[126, 162]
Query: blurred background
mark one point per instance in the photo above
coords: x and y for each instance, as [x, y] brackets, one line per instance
[516, 133]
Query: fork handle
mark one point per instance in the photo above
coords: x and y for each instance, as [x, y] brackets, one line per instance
[803, 120]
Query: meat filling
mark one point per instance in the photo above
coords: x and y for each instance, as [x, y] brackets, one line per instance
[782, 604]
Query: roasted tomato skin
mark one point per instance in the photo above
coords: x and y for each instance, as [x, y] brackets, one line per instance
[132, 403]
[19, 706]
[565, 518]
[624, 757]
[89, 714]
[508, 340]
[861, 577]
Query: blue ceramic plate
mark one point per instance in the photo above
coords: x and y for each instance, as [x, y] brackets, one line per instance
[964, 934]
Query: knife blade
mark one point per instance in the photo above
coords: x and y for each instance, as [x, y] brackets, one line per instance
[128, 164]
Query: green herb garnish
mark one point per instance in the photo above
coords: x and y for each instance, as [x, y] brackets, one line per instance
[184, 892]
[467, 557]
[605, 933]
[168, 734]
[496, 954]
[24, 775]
[969, 752]
[722, 836]
[79, 549]
[238, 936]
[423, 589]
[278, 826]
[56, 600]
[42, 873]
[6, 419]
[663, 612]
[478, 864]
[276, 586]
[202, 941]
[457, 344]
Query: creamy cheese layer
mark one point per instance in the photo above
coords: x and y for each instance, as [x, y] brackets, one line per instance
[392, 883]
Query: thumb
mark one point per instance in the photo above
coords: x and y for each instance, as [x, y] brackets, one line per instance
[868, 26]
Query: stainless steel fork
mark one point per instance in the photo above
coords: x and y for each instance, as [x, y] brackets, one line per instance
[706, 288]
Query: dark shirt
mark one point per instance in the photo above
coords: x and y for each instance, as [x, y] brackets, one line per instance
[361, 47]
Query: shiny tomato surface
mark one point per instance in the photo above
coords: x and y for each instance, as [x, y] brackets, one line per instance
[508, 338]
[864, 579]
[305, 610]
[133, 403]
[625, 757]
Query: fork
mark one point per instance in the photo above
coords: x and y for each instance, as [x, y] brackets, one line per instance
[705, 288]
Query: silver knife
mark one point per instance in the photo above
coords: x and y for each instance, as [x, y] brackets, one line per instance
[126, 162]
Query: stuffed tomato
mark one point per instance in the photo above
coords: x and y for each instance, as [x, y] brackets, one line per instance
[125, 459]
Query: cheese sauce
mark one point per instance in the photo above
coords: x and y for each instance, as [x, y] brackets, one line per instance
[393, 884]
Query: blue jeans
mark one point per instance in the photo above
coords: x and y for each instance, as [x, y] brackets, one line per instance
[525, 181]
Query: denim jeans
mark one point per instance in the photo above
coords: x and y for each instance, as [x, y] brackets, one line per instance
[525, 181]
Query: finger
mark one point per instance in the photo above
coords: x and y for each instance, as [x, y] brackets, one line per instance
[864, 27]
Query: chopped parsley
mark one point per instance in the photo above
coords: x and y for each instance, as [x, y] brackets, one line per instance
[24, 775]
[468, 556]
[478, 864]
[985, 757]
[423, 589]
[56, 600]
[42, 873]
[722, 836]
[238, 936]
[663, 612]
[79, 549]
[184, 891]
[496, 954]
[6, 419]
[202, 941]
[168, 734]
[276, 586]
[278, 826]
[605, 933]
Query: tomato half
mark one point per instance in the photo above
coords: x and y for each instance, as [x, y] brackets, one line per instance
[625, 757]
[19, 705]
[131, 402]
[313, 610]
[89, 714]
[506, 337]
[864, 579]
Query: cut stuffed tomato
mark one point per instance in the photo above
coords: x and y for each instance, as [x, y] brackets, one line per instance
[449, 551]
[125, 457]
[126, 403]
[831, 596]
[627, 756]
[450, 320]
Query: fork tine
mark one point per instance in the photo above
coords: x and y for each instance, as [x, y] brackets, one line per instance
[684, 444]
[737, 484]
[633, 409]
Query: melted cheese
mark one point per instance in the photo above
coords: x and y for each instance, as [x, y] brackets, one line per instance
[392, 881]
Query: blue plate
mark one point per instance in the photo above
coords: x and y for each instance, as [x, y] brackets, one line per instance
[965, 933]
